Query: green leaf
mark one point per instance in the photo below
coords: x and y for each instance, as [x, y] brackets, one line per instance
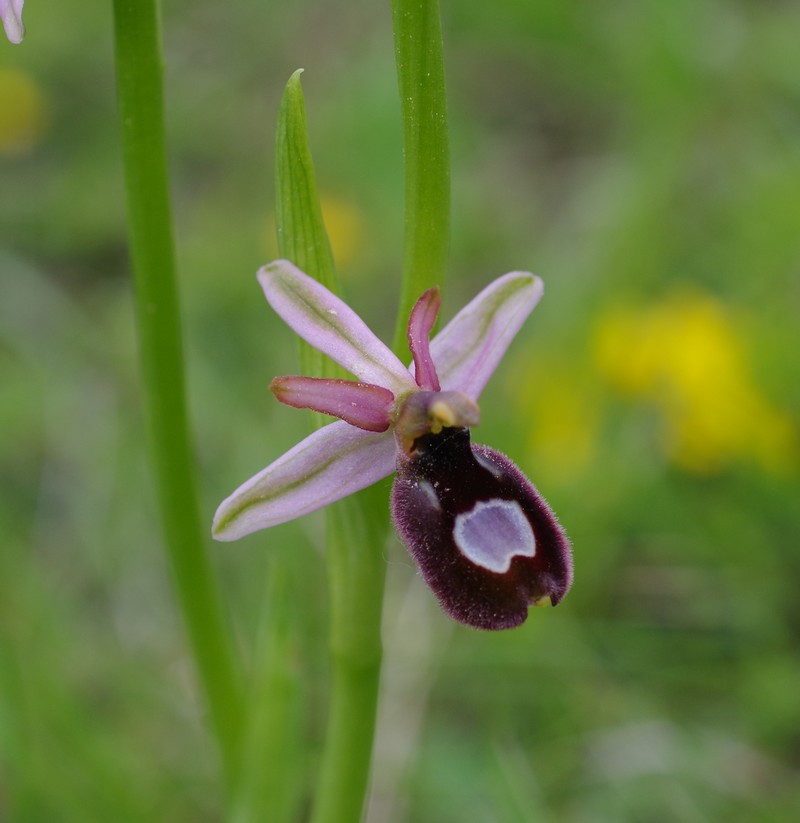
[302, 238]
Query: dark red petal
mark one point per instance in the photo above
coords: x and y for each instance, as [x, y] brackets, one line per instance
[423, 316]
[485, 540]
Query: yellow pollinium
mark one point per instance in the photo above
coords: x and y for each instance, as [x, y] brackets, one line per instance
[441, 416]
[427, 412]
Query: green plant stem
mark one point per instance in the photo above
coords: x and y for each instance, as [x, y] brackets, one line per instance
[272, 773]
[140, 90]
[355, 534]
[356, 527]
[356, 568]
[423, 102]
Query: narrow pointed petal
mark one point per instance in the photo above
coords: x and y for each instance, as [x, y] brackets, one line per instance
[11, 14]
[330, 325]
[332, 463]
[360, 404]
[423, 316]
[470, 347]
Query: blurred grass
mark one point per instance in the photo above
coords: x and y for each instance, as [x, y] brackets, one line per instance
[644, 158]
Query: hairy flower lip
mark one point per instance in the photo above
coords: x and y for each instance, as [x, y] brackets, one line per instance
[338, 459]
[483, 537]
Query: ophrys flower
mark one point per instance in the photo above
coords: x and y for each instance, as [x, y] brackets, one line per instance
[484, 539]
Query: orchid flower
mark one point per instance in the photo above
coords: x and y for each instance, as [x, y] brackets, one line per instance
[484, 539]
[11, 15]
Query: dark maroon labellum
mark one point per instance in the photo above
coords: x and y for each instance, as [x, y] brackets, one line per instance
[485, 540]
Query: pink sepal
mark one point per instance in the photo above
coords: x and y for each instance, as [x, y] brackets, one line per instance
[333, 462]
[330, 325]
[11, 15]
[470, 347]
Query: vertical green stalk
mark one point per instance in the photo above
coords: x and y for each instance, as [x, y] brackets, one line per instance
[356, 536]
[423, 102]
[356, 527]
[140, 90]
[272, 773]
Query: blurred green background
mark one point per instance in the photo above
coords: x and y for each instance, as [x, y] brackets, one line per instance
[643, 157]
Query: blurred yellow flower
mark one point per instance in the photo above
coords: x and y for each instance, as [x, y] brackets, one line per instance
[562, 441]
[22, 112]
[686, 355]
[345, 225]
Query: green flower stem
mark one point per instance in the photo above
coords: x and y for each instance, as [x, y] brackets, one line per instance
[356, 527]
[356, 534]
[423, 101]
[140, 89]
[272, 774]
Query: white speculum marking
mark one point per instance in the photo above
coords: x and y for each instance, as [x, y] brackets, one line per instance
[430, 493]
[487, 464]
[493, 533]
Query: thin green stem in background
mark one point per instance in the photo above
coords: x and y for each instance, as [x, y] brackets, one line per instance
[140, 89]
[423, 102]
